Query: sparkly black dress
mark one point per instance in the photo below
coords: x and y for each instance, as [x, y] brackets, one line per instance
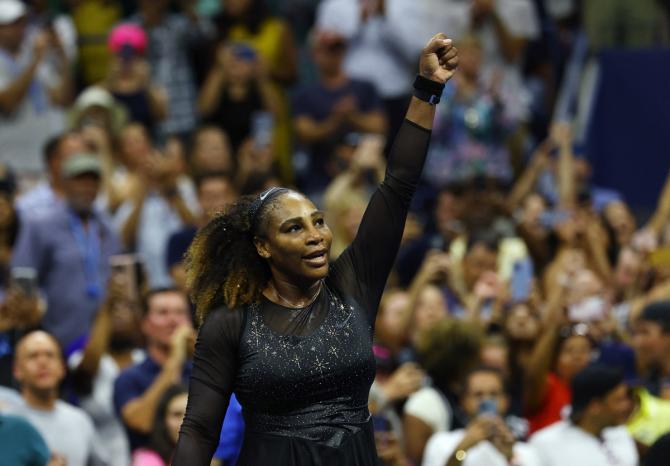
[303, 375]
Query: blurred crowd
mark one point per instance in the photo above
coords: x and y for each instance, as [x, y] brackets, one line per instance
[527, 321]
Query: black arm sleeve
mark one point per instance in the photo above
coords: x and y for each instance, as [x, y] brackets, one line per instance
[364, 267]
[212, 383]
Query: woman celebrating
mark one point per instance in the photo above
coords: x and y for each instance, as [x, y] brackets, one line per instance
[290, 334]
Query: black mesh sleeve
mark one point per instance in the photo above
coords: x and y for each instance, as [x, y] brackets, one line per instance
[364, 267]
[212, 383]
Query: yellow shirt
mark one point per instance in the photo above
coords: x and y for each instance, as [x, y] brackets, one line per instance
[94, 19]
[651, 420]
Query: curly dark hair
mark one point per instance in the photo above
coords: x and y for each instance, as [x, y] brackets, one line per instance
[449, 350]
[223, 267]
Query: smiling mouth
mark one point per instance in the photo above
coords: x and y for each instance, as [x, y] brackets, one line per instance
[317, 258]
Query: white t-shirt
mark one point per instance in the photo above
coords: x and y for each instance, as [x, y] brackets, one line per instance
[431, 407]
[563, 444]
[66, 429]
[110, 434]
[442, 445]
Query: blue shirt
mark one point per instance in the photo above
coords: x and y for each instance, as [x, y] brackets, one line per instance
[232, 434]
[20, 443]
[132, 383]
[49, 245]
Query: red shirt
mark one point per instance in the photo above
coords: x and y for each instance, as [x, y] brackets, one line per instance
[558, 397]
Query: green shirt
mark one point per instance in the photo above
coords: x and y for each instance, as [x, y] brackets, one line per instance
[20, 443]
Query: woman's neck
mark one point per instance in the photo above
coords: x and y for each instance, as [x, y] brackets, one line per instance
[285, 293]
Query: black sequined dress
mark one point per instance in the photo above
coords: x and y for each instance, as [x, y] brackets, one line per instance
[303, 375]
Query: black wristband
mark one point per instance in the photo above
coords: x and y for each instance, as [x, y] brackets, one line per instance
[427, 90]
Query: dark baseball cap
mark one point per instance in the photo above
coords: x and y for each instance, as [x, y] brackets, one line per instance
[658, 312]
[592, 383]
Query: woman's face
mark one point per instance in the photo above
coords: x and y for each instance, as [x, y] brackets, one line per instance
[522, 324]
[296, 242]
[174, 415]
[619, 218]
[574, 355]
[390, 321]
[211, 152]
[135, 146]
[430, 309]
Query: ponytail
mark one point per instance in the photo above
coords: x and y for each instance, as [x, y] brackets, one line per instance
[223, 267]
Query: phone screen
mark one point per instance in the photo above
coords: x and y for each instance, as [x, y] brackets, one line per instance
[522, 280]
[25, 279]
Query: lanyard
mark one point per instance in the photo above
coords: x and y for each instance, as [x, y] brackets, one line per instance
[88, 243]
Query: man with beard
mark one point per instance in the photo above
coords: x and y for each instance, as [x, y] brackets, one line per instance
[112, 346]
[70, 250]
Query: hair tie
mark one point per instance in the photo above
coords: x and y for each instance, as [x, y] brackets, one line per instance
[260, 201]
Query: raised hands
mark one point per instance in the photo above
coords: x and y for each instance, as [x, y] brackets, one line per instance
[439, 59]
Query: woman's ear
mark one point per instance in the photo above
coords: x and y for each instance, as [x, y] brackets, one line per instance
[262, 247]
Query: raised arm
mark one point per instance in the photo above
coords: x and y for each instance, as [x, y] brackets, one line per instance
[370, 257]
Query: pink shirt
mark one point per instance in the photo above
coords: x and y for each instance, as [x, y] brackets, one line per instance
[145, 457]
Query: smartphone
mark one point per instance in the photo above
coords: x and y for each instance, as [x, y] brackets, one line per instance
[521, 282]
[126, 267]
[25, 279]
[488, 407]
[381, 423]
[262, 127]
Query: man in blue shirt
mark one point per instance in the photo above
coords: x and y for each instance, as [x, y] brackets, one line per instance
[326, 111]
[70, 250]
[168, 330]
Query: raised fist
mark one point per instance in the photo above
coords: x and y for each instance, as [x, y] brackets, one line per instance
[439, 59]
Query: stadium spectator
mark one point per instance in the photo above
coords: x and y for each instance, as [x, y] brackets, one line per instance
[70, 250]
[215, 193]
[112, 346]
[35, 87]
[20, 442]
[162, 202]
[331, 108]
[67, 430]
[651, 339]
[129, 77]
[488, 438]
[165, 430]
[448, 351]
[168, 331]
[594, 434]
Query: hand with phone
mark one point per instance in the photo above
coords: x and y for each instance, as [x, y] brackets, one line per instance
[22, 307]
[404, 381]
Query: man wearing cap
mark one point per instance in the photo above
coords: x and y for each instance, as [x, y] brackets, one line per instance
[70, 250]
[34, 82]
[594, 435]
[651, 340]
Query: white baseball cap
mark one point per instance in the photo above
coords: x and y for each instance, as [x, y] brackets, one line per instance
[11, 10]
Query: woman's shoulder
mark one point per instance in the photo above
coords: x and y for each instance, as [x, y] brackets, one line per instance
[224, 319]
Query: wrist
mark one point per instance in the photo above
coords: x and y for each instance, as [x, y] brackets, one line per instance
[427, 90]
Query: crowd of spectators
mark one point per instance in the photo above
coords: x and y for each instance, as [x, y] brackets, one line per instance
[527, 320]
